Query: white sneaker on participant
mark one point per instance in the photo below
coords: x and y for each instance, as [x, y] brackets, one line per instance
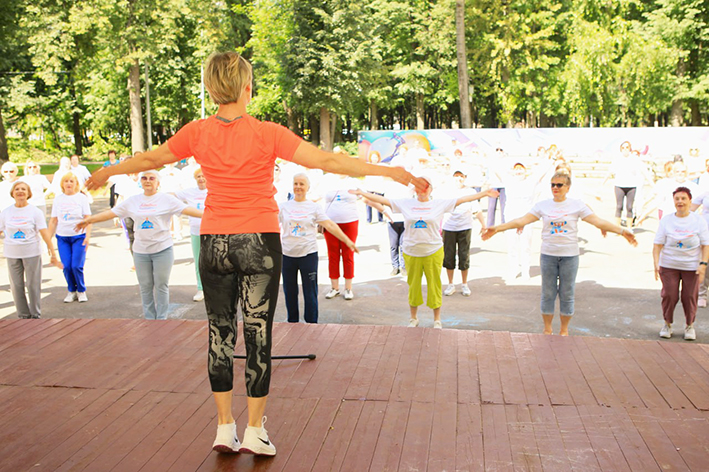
[256, 441]
[226, 441]
[413, 322]
[198, 297]
[689, 334]
[394, 271]
[465, 290]
[702, 303]
[348, 294]
[402, 272]
[666, 331]
[70, 297]
[83, 297]
[332, 293]
[437, 324]
[450, 290]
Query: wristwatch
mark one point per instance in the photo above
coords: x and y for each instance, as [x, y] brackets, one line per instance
[703, 263]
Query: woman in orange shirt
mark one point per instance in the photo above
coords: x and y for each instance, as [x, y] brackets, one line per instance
[240, 256]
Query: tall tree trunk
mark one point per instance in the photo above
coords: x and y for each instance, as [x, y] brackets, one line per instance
[325, 135]
[419, 111]
[373, 115]
[333, 129]
[463, 80]
[314, 129]
[4, 155]
[291, 118]
[696, 115]
[676, 113]
[136, 109]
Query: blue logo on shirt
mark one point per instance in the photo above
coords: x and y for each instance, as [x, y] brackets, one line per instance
[420, 224]
[19, 235]
[147, 225]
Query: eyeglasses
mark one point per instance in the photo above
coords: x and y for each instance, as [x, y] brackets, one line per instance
[9, 171]
[555, 185]
[148, 178]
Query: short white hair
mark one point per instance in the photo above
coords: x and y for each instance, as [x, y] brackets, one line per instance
[151, 171]
[304, 175]
[9, 166]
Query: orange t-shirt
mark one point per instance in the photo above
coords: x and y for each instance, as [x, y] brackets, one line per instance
[237, 159]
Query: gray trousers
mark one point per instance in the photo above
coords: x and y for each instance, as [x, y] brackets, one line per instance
[29, 269]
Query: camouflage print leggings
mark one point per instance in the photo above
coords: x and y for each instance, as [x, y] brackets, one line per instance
[245, 269]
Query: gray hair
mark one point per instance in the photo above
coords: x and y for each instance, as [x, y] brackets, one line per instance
[562, 175]
[304, 175]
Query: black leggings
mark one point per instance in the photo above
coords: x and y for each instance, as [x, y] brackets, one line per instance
[629, 194]
[243, 268]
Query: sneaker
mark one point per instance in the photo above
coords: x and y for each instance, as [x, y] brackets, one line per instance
[437, 324]
[403, 272]
[666, 331]
[198, 297]
[82, 297]
[701, 303]
[256, 441]
[465, 290]
[394, 271]
[413, 322]
[348, 295]
[332, 293]
[226, 441]
[689, 334]
[450, 290]
[70, 297]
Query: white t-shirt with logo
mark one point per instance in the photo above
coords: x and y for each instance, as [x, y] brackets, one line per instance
[195, 198]
[151, 217]
[299, 227]
[422, 224]
[341, 205]
[682, 239]
[69, 210]
[21, 227]
[560, 225]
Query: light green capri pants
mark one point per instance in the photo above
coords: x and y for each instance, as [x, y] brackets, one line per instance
[430, 266]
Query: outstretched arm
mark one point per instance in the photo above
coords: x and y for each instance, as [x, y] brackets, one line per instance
[335, 230]
[309, 156]
[520, 222]
[605, 225]
[142, 162]
[477, 196]
[190, 211]
[372, 197]
[97, 218]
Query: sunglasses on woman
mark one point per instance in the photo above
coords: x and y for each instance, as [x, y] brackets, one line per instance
[555, 185]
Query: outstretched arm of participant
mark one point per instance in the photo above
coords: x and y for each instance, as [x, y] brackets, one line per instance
[193, 212]
[309, 156]
[477, 196]
[605, 225]
[372, 197]
[335, 230]
[142, 162]
[47, 238]
[520, 222]
[379, 207]
[97, 218]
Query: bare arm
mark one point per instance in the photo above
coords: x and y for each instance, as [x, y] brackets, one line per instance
[97, 218]
[190, 211]
[52, 226]
[477, 196]
[47, 238]
[520, 222]
[379, 207]
[88, 235]
[605, 225]
[656, 250]
[335, 230]
[702, 269]
[311, 157]
[372, 197]
[695, 206]
[145, 161]
[481, 219]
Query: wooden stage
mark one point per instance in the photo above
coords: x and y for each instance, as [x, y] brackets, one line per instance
[130, 395]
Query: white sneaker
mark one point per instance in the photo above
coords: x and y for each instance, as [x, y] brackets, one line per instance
[402, 272]
[450, 290]
[256, 441]
[226, 441]
[702, 303]
[413, 322]
[689, 334]
[465, 290]
[666, 331]
[83, 297]
[437, 324]
[332, 293]
[348, 295]
[70, 297]
[394, 271]
[198, 297]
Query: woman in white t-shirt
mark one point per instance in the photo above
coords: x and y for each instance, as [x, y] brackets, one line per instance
[20, 224]
[423, 245]
[70, 207]
[341, 207]
[299, 219]
[38, 183]
[629, 173]
[560, 247]
[152, 248]
[680, 253]
[195, 197]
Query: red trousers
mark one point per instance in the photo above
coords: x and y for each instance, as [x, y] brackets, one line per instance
[335, 248]
[671, 293]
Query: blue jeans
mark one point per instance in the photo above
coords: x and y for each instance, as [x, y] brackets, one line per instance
[492, 206]
[153, 271]
[308, 267]
[72, 253]
[558, 278]
[396, 239]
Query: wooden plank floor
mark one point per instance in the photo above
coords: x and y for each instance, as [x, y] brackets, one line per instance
[131, 395]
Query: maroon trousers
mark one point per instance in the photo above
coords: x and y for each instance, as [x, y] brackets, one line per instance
[671, 293]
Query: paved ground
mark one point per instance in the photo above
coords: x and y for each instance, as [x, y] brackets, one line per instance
[616, 294]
